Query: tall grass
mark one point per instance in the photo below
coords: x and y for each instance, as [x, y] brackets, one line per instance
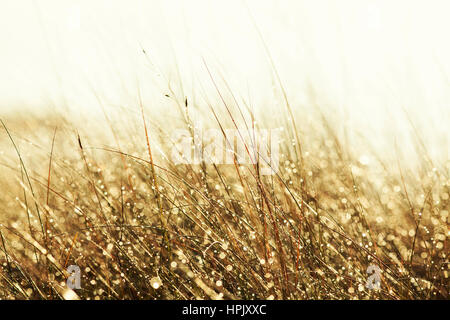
[139, 226]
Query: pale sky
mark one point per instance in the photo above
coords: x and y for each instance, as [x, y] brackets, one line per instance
[366, 58]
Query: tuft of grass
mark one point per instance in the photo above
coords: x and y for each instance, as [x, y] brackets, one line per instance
[142, 227]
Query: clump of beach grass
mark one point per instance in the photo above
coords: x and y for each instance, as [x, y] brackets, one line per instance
[139, 226]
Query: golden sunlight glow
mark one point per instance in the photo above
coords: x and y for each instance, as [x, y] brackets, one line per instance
[367, 60]
[224, 150]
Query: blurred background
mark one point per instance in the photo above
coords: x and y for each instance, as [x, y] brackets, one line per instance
[373, 66]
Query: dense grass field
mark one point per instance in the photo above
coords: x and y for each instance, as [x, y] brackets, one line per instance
[104, 195]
